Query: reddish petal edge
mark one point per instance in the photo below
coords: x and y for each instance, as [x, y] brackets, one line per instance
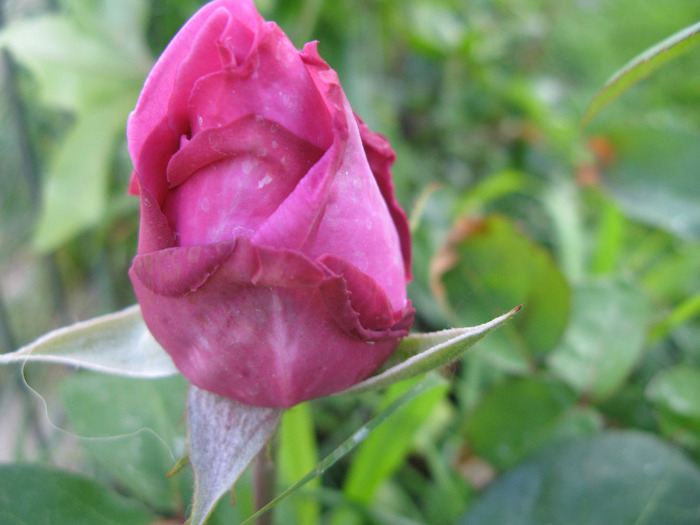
[381, 157]
[180, 271]
[360, 306]
[154, 230]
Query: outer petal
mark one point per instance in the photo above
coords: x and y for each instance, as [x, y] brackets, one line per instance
[236, 177]
[254, 325]
[153, 133]
[339, 208]
[271, 82]
[154, 230]
[381, 157]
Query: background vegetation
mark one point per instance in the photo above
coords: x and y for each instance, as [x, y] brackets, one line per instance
[584, 409]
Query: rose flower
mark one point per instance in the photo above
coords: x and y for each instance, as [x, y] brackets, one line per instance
[273, 256]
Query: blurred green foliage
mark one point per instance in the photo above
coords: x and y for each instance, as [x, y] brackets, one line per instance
[593, 229]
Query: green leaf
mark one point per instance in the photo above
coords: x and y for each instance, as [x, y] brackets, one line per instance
[124, 23]
[74, 194]
[224, 437]
[72, 67]
[30, 494]
[132, 427]
[90, 61]
[521, 415]
[420, 353]
[677, 390]
[116, 343]
[615, 477]
[488, 266]
[387, 447]
[642, 66]
[675, 394]
[655, 179]
[436, 28]
[604, 339]
[298, 454]
[429, 382]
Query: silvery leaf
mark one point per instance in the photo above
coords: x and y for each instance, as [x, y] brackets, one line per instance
[116, 343]
[420, 353]
[224, 437]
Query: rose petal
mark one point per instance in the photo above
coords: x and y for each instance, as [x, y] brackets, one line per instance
[361, 307]
[272, 82]
[237, 176]
[381, 157]
[154, 231]
[151, 139]
[180, 271]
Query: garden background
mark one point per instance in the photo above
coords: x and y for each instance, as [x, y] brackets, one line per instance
[583, 409]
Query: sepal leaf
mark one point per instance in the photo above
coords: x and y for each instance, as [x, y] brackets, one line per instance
[420, 353]
[224, 437]
[116, 343]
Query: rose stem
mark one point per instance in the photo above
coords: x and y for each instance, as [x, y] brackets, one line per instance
[263, 479]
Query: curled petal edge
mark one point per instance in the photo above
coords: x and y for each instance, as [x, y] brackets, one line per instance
[354, 300]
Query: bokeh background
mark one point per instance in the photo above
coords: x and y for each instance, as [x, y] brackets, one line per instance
[586, 406]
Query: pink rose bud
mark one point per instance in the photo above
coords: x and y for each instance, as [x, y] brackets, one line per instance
[273, 256]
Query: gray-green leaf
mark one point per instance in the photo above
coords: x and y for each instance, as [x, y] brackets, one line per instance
[614, 477]
[31, 494]
[420, 353]
[224, 437]
[116, 343]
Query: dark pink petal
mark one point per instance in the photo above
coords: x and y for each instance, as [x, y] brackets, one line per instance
[260, 344]
[356, 207]
[272, 83]
[176, 272]
[365, 295]
[237, 176]
[151, 139]
[295, 221]
[360, 306]
[250, 135]
[180, 271]
[154, 231]
[381, 157]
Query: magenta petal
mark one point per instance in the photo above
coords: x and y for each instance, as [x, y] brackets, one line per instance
[361, 307]
[250, 135]
[381, 157]
[154, 231]
[272, 83]
[179, 271]
[236, 177]
[259, 344]
[151, 138]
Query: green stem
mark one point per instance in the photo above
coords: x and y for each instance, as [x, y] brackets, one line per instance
[263, 481]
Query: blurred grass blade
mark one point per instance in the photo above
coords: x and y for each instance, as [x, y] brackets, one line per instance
[386, 449]
[420, 353]
[685, 311]
[641, 67]
[116, 343]
[297, 455]
[431, 381]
